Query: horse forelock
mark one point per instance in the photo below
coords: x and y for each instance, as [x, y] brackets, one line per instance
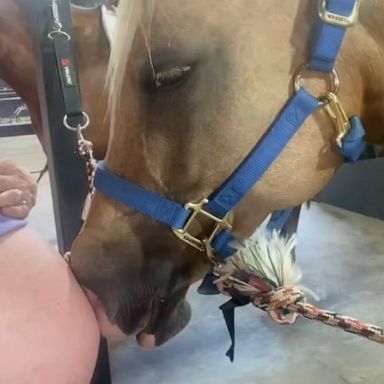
[131, 14]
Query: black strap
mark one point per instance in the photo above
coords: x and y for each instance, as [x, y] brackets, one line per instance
[62, 36]
[228, 309]
[69, 82]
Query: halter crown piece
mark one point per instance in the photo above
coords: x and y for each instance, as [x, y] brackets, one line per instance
[335, 16]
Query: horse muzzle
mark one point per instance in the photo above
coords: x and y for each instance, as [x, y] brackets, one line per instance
[163, 322]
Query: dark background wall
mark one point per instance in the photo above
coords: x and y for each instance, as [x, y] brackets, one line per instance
[358, 187]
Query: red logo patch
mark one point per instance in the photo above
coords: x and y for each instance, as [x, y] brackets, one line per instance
[65, 62]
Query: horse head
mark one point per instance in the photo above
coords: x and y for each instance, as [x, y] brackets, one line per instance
[194, 86]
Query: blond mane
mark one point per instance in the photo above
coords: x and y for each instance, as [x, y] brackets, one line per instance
[130, 16]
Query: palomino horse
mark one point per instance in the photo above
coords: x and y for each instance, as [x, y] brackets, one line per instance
[194, 86]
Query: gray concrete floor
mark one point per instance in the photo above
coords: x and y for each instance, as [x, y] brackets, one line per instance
[342, 257]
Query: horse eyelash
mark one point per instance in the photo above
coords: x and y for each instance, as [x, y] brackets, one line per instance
[171, 76]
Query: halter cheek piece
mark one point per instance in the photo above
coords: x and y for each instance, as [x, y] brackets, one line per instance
[334, 17]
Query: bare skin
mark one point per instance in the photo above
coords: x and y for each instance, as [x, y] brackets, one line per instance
[48, 331]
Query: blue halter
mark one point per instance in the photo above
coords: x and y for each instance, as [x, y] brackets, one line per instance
[335, 17]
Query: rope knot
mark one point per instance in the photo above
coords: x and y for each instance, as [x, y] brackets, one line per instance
[277, 302]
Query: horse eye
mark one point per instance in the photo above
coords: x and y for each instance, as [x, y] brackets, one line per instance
[170, 77]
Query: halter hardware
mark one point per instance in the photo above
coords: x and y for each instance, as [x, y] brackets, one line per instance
[203, 244]
[334, 81]
[336, 18]
[338, 116]
[330, 102]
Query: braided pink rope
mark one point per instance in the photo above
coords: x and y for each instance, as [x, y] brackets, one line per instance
[86, 151]
[285, 304]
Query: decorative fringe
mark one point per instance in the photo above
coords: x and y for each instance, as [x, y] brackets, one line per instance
[270, 255]
[264, 271]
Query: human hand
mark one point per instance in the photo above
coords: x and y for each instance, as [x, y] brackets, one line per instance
[17, 190]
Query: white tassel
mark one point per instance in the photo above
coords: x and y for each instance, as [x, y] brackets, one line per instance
[271, 255]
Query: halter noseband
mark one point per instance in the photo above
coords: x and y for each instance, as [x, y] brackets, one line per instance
[334, 17]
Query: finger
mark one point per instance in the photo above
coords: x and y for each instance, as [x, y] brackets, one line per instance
[25, 201]
[30, 199]
[11, 198]
[7, 167]
[16, 212]
[27, 198]
[12, 182]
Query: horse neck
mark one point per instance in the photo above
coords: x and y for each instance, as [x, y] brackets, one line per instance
[372, 64]
[92, 54]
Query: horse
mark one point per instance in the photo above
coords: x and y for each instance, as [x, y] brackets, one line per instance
[193, 87]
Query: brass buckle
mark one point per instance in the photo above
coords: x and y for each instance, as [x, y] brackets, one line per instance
[203, 244]
[337, 19]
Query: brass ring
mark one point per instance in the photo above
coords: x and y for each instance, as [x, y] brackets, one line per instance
[334, 77]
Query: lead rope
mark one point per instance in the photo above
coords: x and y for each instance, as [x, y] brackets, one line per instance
[284, 304]
[86, 151]
[261, 274]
